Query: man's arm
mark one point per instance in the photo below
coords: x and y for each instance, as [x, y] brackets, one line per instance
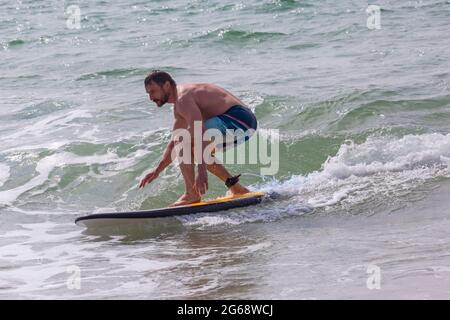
[166, 159]
[190, 111]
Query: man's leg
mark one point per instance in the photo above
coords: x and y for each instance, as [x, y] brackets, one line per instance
[220, 172]
[190, 195]
[188, 172]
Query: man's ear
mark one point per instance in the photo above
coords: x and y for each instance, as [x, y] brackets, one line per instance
[167, 85]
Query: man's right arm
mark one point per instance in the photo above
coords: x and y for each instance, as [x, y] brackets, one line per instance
[166, 159]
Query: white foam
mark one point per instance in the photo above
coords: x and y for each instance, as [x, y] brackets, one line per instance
[53, 145]
[4, 174]
[383, 155]
[46, 165]
[46, 126]
[381, 165]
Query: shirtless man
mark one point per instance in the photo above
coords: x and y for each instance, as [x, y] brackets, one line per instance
[215, 108]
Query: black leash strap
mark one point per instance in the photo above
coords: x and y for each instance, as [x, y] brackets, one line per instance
[232, 181]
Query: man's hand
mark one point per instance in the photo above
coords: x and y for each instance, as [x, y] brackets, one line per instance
[201, 181]
[152, 175]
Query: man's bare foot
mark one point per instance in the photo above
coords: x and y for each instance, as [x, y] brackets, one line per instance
[237, 190]
[186, 199]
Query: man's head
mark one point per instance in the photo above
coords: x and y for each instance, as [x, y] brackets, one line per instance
[159, 85]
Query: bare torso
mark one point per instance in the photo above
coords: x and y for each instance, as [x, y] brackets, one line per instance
[212, 100]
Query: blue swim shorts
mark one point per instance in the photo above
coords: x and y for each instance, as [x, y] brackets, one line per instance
[238, 120]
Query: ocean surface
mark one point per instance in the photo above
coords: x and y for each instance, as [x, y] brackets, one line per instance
[364, 122]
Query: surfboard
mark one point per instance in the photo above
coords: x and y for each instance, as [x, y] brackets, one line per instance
[213, 205]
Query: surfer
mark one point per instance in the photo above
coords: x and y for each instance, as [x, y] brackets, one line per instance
[216, 108]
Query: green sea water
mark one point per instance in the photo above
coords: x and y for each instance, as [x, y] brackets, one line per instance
[363, 117]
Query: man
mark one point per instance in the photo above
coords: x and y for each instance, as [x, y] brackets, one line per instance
[215, 108]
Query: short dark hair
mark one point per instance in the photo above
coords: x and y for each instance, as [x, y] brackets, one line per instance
[159, 77]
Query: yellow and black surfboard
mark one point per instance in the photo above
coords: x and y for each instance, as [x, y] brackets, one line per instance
[213, 205]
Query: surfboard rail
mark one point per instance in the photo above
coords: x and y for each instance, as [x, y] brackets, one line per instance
[213, 205]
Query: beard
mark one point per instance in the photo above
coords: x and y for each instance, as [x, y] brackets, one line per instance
[163, 100]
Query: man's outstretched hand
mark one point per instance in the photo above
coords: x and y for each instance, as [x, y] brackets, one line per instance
[152, 175]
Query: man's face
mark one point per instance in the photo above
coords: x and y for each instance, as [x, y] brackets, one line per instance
[157, 94]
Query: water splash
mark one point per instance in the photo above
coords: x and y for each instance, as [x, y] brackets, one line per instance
[379, 167]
